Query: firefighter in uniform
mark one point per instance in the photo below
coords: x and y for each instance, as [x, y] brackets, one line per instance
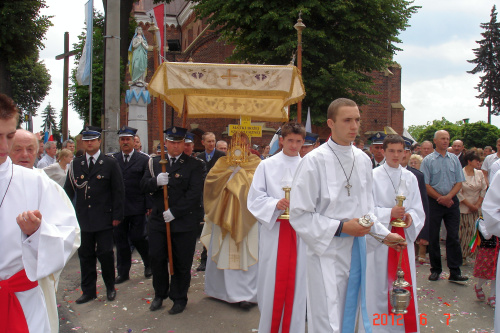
[184, 181]
[95, 184]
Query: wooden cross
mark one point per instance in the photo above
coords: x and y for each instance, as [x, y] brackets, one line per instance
[67, 53]
[228, 77]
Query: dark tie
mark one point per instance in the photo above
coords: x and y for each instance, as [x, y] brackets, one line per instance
[126, 158]
[172, 161]
[91, 163]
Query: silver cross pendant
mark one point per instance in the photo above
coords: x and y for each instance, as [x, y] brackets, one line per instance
[348, 187]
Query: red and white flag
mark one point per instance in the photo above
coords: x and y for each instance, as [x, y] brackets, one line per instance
[158, 14]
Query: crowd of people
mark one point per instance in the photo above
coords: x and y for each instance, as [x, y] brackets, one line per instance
[297, 232]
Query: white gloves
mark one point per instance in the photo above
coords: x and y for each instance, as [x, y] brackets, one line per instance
[167, 215]
[162, 179]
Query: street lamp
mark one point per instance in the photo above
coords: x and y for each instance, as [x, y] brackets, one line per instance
[299, 26]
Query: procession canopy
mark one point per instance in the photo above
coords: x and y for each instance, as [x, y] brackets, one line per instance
[228, 91]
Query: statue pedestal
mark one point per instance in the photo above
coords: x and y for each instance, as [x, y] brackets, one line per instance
[138, 99]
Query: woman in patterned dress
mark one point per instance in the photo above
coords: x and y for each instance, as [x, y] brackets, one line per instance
[471, 197]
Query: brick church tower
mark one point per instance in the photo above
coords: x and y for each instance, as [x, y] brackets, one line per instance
[191, 39]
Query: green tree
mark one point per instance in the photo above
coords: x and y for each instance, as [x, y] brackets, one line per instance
[416, 130]
[479, 134]
[343, 40]
[487, 61]
[30, 83]
[22, 31]
[427, 133]
[49, 116]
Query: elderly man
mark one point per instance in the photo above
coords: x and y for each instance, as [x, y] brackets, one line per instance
[69, 144]
[37, 238]
[24, 149]
[458, 149]
[221, 145]
[50, 155]
[443, 178]
[133, 227]
[426, 148]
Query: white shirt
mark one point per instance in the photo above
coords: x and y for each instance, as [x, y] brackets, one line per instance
[129, 155]
[95, 156]
[488, 162]
[46, 161]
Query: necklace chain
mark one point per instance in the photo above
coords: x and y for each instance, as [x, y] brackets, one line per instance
[8, 186]
[348, 186]
[400, 179]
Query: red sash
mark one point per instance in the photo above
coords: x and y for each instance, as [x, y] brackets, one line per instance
[10, 308]
[284, 287]
[392, 267]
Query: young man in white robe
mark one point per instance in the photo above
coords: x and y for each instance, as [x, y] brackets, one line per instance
[390, 180]
[23, 153]
[266, 201]
[37, 238]
[331, 192]
[231, 232]
[490, 226]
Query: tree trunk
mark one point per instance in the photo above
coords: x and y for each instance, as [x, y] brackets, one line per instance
[489, 108]
[5, 83]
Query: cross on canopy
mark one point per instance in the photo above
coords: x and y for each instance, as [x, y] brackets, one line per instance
[228, 77]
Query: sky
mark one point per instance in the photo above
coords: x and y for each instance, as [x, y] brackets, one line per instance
[436, 47]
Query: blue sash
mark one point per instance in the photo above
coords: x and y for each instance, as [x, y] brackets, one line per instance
[357, 280]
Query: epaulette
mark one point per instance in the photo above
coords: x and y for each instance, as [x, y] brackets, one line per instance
[110, 154]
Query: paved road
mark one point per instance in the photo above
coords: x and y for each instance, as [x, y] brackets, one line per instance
[130, 311]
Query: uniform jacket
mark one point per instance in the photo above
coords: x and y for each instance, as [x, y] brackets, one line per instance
[136, 202]
[185, 188]
[101, 201]
[211, 163]
[424, 233]
[461, 159]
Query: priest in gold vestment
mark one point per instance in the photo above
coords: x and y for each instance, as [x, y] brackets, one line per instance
[231, 232]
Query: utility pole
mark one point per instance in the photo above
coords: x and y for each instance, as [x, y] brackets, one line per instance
[299, 26]
[112, 82]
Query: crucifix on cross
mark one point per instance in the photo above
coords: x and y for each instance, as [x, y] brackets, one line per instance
[67, 53]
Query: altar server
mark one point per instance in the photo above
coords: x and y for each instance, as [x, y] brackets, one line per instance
[281, 292]
[491, 226]
[37, 237]
[389, 181]
[331, 191]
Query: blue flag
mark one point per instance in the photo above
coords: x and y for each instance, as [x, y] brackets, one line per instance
[84, 68]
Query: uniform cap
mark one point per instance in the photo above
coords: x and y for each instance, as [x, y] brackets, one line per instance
[91, 133]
